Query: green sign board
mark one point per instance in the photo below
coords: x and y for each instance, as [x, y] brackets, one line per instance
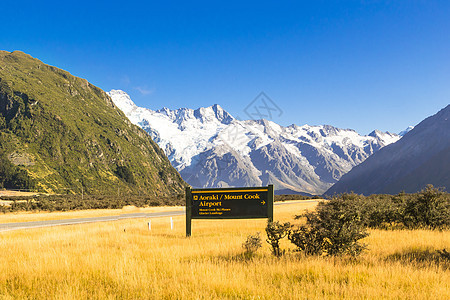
[228, 203]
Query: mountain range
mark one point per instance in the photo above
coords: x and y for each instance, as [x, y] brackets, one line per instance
[61, 134]
[421, 157]
[211, 148]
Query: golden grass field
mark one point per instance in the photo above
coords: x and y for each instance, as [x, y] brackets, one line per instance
[124, 260]
[91, 213]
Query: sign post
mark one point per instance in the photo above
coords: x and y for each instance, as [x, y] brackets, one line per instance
[228, 203]
[188, 211]
[270, 200]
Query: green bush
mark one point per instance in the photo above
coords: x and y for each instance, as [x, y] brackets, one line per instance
[380, 211]
[429, 209]
[334, 228]
[309, 240]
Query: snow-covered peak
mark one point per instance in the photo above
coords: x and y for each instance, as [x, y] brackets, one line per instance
[122, 100]
[213, 113]
[204, 115]
[384, 138]
[201, 142]
[402, 133]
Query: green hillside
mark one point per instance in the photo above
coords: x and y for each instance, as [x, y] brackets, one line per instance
[61, 134]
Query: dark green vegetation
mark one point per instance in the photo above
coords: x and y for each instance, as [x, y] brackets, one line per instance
[275, 232]
[13, 177]
[428, 209]
[337, 225]
[334, 228]
[79, 202]
[60, 134]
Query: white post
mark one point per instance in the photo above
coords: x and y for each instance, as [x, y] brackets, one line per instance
[171, 223]
[150, 225]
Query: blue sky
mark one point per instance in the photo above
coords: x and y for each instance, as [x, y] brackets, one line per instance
[353, 64]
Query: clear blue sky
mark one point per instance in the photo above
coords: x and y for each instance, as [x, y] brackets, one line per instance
[352, 64]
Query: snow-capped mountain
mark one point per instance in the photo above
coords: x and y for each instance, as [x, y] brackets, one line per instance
[210, 148]
[402, 133]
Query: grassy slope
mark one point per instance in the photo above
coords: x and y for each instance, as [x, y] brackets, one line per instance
[67, 133]
[125, 260]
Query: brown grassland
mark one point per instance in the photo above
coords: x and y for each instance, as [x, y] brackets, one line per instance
[125, 260]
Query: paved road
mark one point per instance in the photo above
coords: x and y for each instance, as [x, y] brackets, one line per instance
[39, 224]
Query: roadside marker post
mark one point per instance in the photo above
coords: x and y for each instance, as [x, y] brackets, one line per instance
[228, 203]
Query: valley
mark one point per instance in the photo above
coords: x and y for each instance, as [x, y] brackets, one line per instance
[236, 150]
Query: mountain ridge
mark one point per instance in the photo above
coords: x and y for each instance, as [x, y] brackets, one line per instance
[66, 135]
[421, 157]
[211, 151]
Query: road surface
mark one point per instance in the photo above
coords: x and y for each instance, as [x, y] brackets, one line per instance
[48, 223]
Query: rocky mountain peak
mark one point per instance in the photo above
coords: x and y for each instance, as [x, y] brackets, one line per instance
[210, 149]
[213, 113]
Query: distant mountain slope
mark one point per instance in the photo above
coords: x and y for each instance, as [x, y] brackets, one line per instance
[210, 148]
[421, 157]
[59, 133]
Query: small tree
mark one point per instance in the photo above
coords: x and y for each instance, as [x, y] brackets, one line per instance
[275, 232]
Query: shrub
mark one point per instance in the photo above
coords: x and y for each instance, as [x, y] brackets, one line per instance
[380, 211]
[429, 209]
[275, 232]
[252, 244]
[335, 228]
[308, 240]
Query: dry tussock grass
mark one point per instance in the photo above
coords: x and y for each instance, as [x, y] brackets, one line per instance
[58, 215]
[124, 260]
